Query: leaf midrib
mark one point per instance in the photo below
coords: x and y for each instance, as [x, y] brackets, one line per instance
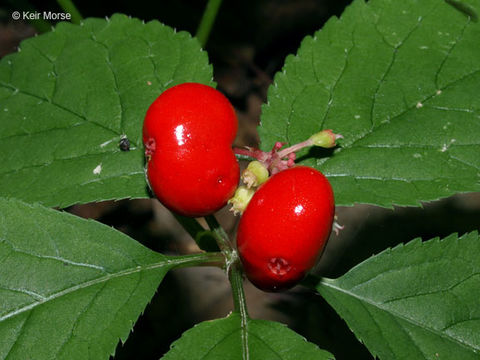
[167, 263]
[331, 284]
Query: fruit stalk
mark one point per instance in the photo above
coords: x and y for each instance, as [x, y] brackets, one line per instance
[233, 267]
[221, 236]
[279, 159]
[236, 281]
[69, 7]
[206, 24]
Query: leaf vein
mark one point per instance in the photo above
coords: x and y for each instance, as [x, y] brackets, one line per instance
[412, 338]
[81, 117]
[165, 263]
[30, 293]
[394, 313]
[20, 334]
[84, 310]
[379, 328]
[115, 82]
[433, 292]
[450, 50]
[390, 66]
[412, 107]
[56, 258]
[337, 80]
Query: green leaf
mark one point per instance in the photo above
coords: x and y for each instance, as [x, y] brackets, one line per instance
[222, 339]
[415, 301]
[69, 96]
[400, 81]
[70, 288]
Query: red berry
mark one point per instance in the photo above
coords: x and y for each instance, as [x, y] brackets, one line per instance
[188, 134]
[285, 227]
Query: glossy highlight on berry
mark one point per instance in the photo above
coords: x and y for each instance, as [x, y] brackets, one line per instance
[188, 133]
[285, 227]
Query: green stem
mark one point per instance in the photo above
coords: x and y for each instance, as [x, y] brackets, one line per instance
[234, 269]
[191, 225]
[205, 239]
[230, 260]
[203, 259]
[69, 7]
[464, 8]
[236, 281]
[221, 236]
[240, 304]
[208, 18]
[244, 157]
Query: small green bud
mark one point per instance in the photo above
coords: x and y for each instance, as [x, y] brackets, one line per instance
[255, 174]
[325, 138]
[240, 200]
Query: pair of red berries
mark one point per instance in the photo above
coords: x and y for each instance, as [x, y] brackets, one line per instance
[188, 134]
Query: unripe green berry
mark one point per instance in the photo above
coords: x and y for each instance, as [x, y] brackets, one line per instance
[240, 200]
[255, 174]
[325, 138]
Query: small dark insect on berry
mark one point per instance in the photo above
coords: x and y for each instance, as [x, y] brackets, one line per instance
[124, 144]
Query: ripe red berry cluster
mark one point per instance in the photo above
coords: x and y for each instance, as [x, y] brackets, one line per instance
[188, 134]
[191, 168]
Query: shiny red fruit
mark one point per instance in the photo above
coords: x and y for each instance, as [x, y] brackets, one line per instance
[285, 227]
[188, 134]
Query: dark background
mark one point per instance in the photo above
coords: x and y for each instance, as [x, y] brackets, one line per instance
[248, 44]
